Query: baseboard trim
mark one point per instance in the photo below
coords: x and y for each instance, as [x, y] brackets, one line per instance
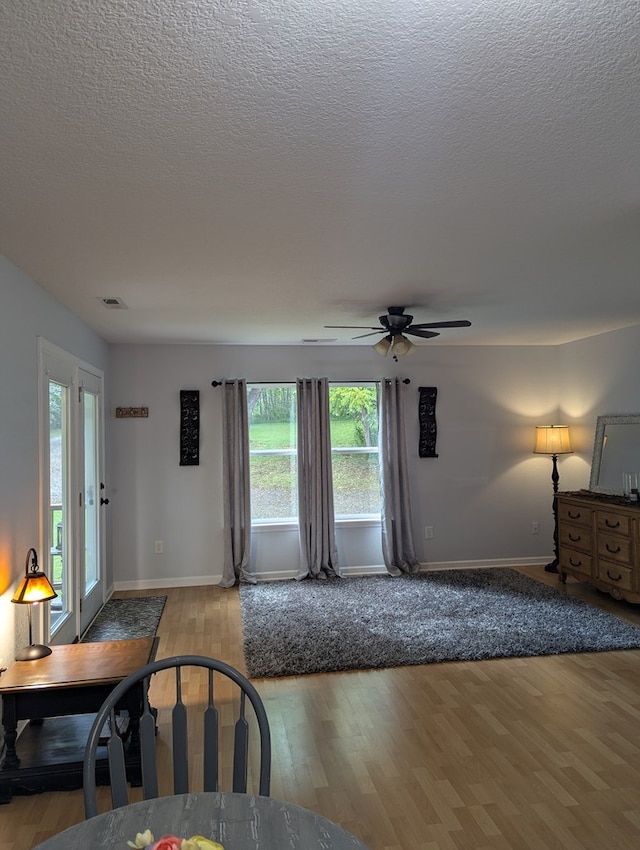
[287, 575]
[158, 583]
[484, 565]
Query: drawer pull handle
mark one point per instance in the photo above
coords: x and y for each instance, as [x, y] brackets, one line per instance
[615, 524]
[575, 539]
[613, 578]
[574, 516]
[613, 551]
[575, 563]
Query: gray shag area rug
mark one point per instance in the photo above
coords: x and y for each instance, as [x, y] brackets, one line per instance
[313, 626]
[124, 619]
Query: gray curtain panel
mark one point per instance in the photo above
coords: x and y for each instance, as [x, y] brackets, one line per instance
[316, 522]
[397, 538]
[236, 486]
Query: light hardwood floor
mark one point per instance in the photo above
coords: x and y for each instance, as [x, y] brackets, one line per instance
[508, 753]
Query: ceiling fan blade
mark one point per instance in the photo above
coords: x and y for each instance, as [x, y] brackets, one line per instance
[461, 323]
[360, 336]
[353, 327]
[424, 334]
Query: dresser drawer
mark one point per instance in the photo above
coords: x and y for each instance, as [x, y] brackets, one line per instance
[574, 514]
[574, 561]
[614, 548]
[616, 575]
[575, 536]
[615, 522]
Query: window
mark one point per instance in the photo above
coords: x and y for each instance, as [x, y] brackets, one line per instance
[354, 450]
[273, 452]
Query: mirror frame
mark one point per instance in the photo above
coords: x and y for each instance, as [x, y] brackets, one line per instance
[601, 423]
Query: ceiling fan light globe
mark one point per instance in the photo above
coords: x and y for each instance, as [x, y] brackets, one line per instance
[383, 346]
[402, 346]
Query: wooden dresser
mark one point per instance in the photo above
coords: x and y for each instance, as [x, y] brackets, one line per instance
[599, 542]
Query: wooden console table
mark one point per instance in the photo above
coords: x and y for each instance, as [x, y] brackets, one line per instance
[71, 682]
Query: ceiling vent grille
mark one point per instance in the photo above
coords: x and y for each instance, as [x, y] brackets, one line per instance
[113, 303]
[317, 341]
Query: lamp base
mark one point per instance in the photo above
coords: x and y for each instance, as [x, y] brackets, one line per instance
[33, 652]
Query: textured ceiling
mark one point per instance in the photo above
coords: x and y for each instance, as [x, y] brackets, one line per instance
[248, 172]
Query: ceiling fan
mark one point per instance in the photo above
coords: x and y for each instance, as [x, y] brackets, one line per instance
[395, 325]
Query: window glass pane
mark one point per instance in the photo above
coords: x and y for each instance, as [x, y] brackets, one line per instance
[354, 442]
[273, 453]
[58, 500]
[91, 492]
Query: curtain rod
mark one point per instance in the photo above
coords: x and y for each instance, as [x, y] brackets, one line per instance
[279, 383]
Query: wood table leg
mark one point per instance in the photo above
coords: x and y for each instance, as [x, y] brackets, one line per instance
[10, 724]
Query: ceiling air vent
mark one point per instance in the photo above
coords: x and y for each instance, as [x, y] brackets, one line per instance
[316, 341]
[113, 303]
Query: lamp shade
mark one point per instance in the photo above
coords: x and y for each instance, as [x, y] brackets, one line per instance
[552, 440]
[35, 586]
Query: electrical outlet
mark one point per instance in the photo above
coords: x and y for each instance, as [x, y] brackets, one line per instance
[535, 528]
[428, 532]
[159, 547]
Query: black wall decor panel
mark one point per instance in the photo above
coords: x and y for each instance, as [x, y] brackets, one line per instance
[189, 427]
[427, 417]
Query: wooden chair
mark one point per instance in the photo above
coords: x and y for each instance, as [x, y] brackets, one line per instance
[180, 736]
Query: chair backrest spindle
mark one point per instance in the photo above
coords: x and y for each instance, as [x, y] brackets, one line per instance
[180, 740]
[148, 746]
[211, 741]
[241, 749]
[115, 752]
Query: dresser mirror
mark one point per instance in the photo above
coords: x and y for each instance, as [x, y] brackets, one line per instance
[616, 450]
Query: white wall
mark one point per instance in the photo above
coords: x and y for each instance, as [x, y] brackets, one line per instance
[480, 495]
[26, 312]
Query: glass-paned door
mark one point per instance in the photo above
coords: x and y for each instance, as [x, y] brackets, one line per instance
[70, 473]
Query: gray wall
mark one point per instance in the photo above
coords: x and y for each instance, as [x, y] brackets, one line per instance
[26, 312]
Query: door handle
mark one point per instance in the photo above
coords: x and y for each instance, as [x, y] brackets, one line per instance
[104, 501]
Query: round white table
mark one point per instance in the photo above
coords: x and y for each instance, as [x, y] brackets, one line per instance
[237, 821]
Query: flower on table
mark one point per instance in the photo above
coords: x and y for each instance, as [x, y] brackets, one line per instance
[146, 841]
[199, 842]
[142, 840]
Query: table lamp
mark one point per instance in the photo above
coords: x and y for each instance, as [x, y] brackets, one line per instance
[553, 440]
[34, 588]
